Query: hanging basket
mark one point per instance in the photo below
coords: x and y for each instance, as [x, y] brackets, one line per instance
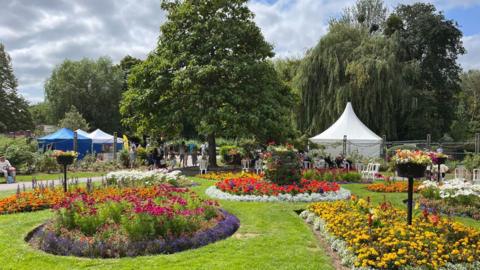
[438, 161]
[411, 170]
[65, 160]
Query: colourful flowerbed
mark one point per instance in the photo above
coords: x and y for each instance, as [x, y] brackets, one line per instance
[117, 222]
[252, 186]
[31, 201]
[378, 237]
[219, 176]
[392, 187]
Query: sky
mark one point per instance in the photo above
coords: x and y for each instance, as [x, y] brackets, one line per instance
[39, 35]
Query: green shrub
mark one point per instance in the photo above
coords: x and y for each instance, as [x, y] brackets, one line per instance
[124, 158]
[351, 177]
[472, 162]
[20, 152]
[44, 162]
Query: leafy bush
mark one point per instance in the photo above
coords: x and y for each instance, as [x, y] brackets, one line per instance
[472, 162]
[124, 158]
[45, 162]
[20, 152]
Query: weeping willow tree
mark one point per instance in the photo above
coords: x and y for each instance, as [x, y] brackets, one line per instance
[352, 64]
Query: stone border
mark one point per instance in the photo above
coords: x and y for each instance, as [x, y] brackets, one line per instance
[51, 243]
[341, 194]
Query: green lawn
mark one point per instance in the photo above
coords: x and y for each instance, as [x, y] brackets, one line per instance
[53, 176]
[271, 236]
[397, 200]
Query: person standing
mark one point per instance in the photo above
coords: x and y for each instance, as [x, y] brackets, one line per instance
[194, 156]
[132, 154]
[181, 152]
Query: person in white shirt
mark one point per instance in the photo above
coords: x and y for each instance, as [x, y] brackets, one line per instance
[6, 167]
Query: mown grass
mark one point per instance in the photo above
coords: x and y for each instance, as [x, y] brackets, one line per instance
[53, 176]
[271, 236]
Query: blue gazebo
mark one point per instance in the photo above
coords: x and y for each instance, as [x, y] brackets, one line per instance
[63, 139]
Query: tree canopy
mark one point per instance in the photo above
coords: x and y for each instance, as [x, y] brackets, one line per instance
[73, 120]
[210, 67]
[401, 81]
[94, 87]
[14, 114]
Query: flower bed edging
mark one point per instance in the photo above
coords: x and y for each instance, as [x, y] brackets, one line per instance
[342, 194]
[51, 243]
[348, 257]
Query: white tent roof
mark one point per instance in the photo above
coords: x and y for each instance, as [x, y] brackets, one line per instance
[83, 133]
[100, 137]
[348, 124]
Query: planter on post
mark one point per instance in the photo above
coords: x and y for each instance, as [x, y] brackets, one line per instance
[410, 171]
[65, 159]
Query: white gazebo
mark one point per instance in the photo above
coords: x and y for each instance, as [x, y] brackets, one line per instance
[100, 137]
[359, 138]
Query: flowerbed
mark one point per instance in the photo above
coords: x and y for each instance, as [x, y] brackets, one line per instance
[378, 238]
[118, 222]
[219, 176]
[252, 186]
[151, 177]
[47, 197]
[251, 189]
[453, 197]
[392, 187]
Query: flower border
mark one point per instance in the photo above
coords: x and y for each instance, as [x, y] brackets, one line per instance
[341, 194]
[348, 257]
[53, 244]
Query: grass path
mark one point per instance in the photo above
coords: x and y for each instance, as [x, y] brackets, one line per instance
[271, 236]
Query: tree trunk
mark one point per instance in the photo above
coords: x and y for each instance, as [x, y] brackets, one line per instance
[212, 150]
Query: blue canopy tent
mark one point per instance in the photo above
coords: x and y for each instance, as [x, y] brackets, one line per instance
[62, 139]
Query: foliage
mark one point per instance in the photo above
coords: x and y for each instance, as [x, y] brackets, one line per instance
[42, 114]
[46, 162]
[210, 68]
[472, 162]
[333, 175]
[467, 121]
[438, 72]
[13, 108]
[94, 87]
[431, 242]
[19, 152]
[395, 79]
[252, 186]
[283, 166]
[73, 120]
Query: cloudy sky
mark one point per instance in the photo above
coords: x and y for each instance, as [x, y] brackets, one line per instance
[40, 34]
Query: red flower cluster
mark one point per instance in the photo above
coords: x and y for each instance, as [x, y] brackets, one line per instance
[251, 186]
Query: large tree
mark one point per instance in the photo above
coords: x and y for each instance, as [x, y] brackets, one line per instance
[467, 121]
[210, 67]
[94, 87]
[74, 120]
[434, 43]
[14, 114]
[401, 81]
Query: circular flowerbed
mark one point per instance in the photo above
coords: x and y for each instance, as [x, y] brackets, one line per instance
[251, 189]
[119, 222]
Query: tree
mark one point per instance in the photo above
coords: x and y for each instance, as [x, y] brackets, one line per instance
[74, 120]
[41, 114]
[94, 87]
[126, 65]
[467, 121]
[210, 67]
[434, 42]
[14, 114]
[369, 14]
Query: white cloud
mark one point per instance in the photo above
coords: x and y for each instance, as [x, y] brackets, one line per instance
[471, 60]
[41, 34]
